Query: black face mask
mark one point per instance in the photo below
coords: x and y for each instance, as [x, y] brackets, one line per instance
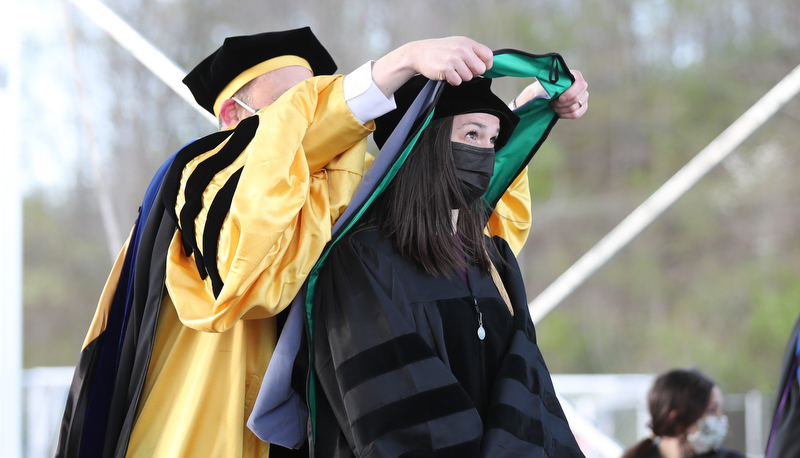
[474, 169]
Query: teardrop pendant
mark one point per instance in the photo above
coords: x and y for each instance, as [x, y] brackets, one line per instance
[481, 331]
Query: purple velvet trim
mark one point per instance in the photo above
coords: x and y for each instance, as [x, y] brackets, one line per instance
[792, 373]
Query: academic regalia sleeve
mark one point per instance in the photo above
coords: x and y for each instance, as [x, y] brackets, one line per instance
[255, 205]
[512, 217]
[524, 416]
[387, 388]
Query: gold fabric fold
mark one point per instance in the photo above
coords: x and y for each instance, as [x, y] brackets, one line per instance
[512, 216]
[100, 319]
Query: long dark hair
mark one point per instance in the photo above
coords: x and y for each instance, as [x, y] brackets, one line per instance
[414, 212]
[676, 401]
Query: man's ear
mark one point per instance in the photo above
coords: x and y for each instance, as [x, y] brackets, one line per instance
[229, 114]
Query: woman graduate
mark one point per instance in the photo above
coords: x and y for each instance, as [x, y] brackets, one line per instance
[422, 341]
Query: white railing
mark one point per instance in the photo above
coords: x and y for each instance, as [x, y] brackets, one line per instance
[604, 411]
[44, 396]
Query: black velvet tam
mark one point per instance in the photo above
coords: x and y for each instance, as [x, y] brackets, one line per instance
[474, 96]
[238, 54]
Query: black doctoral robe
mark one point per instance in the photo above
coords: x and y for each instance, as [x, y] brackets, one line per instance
[784, 438]
[401, 370]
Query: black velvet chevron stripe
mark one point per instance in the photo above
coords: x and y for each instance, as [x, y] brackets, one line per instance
[199, 180]
[217, 213]
[381, 359]
[461, 450]
[407, 412]
[172, 180]
[514, 367]
[516, 423]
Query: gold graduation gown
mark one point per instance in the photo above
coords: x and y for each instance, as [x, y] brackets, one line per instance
[210, 352]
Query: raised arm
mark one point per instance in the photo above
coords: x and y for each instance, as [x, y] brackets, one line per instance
[572, 104]
[454, 59]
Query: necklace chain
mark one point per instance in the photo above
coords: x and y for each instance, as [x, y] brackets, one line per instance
[481, 330]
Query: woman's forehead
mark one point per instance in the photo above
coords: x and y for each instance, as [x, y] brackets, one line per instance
[480, 119]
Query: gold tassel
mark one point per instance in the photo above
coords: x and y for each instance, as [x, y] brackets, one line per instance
[498, 282]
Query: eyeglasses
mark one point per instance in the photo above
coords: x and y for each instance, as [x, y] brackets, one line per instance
[243, 105]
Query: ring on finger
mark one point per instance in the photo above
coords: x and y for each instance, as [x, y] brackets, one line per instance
[580, 103]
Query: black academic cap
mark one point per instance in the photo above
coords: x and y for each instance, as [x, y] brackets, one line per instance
[241, 54]
[474, 96]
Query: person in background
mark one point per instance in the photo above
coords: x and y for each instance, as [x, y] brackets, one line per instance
[686, 418]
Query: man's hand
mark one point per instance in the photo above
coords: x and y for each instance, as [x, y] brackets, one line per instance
[574, 102]
[454, 59]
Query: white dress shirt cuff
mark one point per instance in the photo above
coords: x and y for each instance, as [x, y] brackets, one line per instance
[363, 97]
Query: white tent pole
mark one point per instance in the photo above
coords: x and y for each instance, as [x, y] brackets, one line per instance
[110, 224]
[142, 50]
[603, 445]
[10, 241]
[665, 196]
[604, 250]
